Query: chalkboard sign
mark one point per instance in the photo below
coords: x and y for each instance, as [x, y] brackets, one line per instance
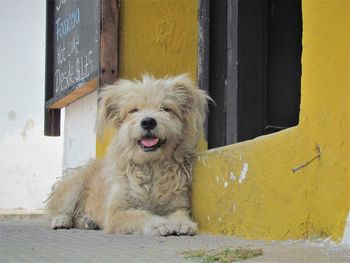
[81, 52]
[76, 45]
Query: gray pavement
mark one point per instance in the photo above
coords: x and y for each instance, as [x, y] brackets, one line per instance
[34, 241]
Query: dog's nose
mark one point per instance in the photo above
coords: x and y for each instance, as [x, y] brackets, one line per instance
[148, 123]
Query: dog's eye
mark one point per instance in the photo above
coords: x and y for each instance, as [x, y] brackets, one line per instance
[133, 110]
[166, 109]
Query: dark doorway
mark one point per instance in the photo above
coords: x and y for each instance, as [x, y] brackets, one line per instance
[254, 68]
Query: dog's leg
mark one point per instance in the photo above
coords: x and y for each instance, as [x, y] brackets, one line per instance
[137, 222]
[63, 204]
[182, 223]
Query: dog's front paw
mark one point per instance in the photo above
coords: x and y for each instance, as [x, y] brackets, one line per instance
[89, 223]
[85, 222]
[184, 227]
[158, 226]
[62, 221]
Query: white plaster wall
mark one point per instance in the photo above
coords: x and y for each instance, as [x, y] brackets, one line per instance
[346, 235]
[79, 131]
[29, 161]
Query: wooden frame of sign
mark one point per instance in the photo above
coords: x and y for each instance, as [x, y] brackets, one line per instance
[81, 53]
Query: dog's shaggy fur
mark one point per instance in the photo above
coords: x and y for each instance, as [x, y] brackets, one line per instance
[143, 184]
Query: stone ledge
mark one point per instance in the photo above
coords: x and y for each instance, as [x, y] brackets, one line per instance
[21, 214]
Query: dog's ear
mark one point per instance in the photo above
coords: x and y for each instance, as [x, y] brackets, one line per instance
[108, 114]
[192, 100]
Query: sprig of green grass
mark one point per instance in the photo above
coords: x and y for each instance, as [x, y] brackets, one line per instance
[222, 255]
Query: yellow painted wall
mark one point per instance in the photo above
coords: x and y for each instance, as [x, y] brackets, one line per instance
[249, 189]
[272, 202]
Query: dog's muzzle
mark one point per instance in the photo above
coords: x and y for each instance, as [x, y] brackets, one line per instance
[149, 142]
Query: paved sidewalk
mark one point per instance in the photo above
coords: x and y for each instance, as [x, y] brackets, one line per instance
[34, 241]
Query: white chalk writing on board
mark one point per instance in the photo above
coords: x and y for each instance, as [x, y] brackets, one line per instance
[75, 42]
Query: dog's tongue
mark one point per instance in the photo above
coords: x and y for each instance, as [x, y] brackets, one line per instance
[149, 142]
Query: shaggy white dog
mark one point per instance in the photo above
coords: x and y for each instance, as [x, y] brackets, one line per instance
[143, 184]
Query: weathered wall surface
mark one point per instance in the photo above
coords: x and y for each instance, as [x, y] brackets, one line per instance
[159, 37]
[29, 161]
[79, 131]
